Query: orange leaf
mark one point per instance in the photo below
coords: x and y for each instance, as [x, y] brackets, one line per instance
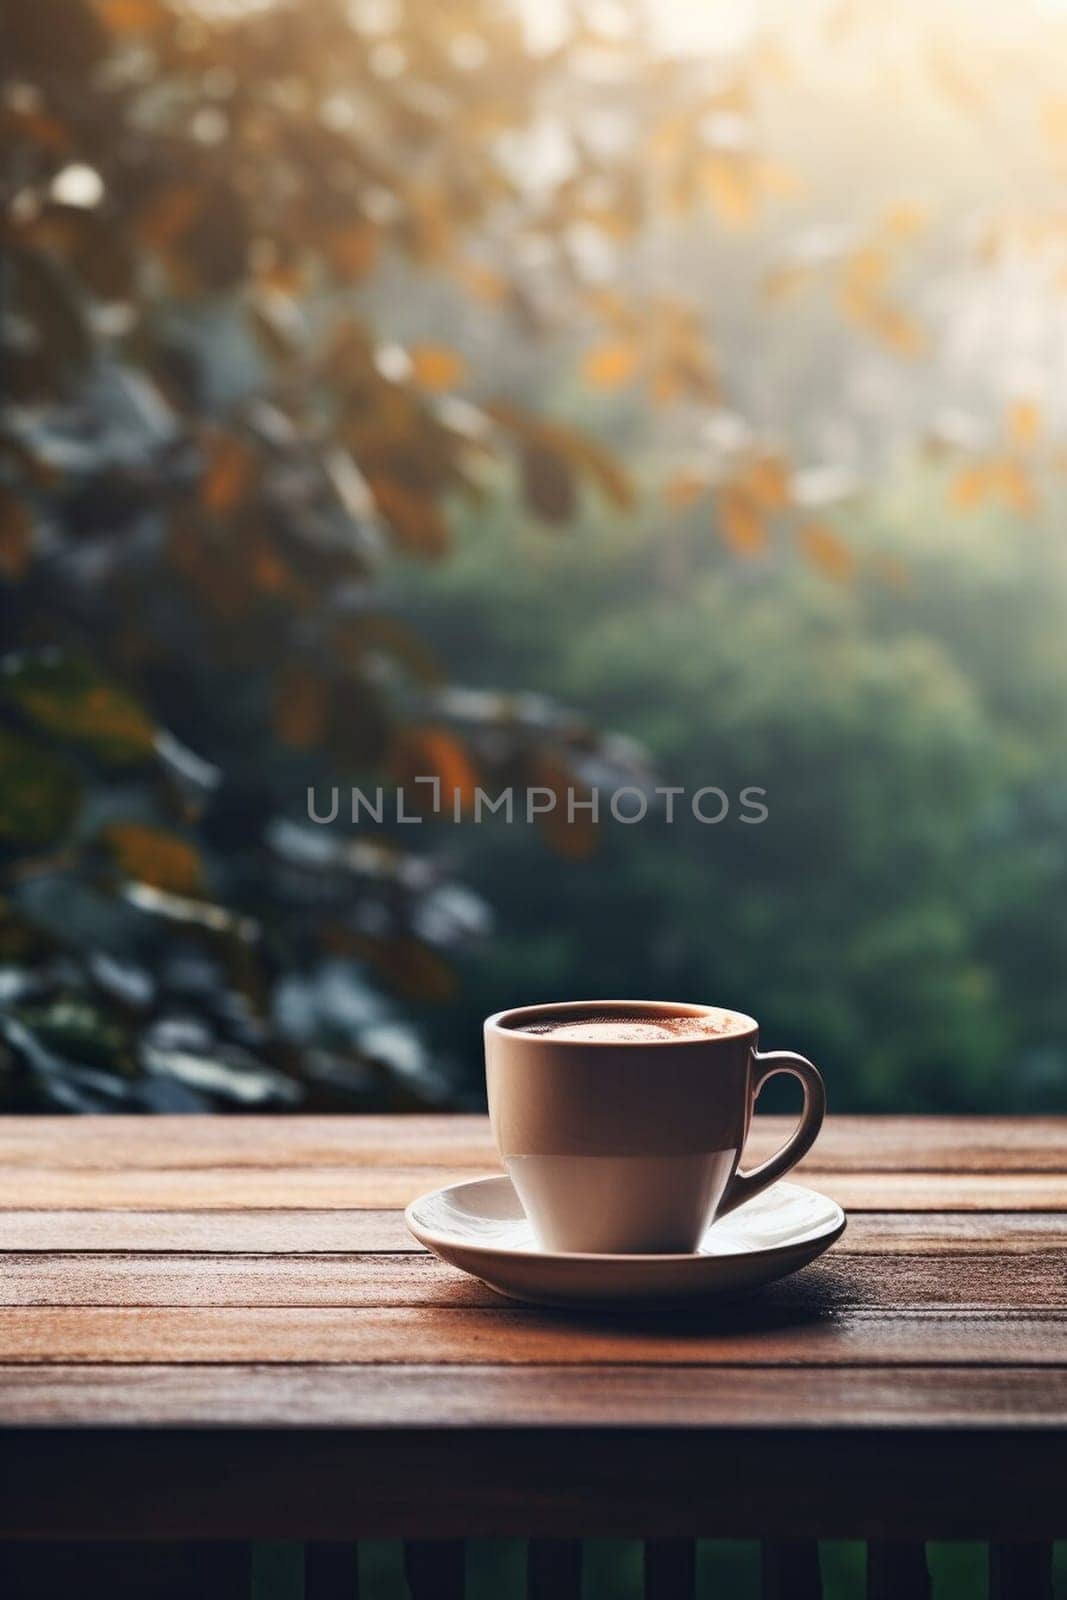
[436, 367]
[609, 366]
[898, 332]
[415, 519]
[130, 16]
[1054, 120]
[863, 277]
[730, 190]
[301, 708]
[170, 216]
[826, 551]
[782, 282]
[905, 219]
[430, 752]
[684, 489]
[1024, 422]
[411, 968]
[352, 251]
[970, 486]
[767, 481]
[227, 475]
[151, 855]
[482, 282]
[570, 831]
[740, 521]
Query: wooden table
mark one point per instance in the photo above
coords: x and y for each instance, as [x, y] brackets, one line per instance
[218, 1329]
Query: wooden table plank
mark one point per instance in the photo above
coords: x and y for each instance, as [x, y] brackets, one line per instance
[345, 1396]
[232, 1307]
[378, 1188]
[860, 1281]
[753, 1334]
[846, 1144]
[315, 1232]
[257, 1231]
[653, 1481]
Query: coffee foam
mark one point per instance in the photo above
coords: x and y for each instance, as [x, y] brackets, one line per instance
[650, 1029]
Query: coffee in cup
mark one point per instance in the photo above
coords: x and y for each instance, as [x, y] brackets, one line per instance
[621, 1123]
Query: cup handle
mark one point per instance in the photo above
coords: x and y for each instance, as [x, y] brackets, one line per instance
[743, 1185]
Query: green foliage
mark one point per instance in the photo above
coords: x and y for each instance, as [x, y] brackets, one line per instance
[896, 917]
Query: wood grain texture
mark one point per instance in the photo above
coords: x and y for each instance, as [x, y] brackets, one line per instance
[899, 1281]
[846, 1144]
[681, 1482]
[380, 1188]
[1031, 1400]
[750, 1333]
[243, 1231]
[335, 1232]
[220, 1328]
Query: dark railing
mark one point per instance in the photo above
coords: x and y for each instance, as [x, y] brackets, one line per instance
[437, 1570]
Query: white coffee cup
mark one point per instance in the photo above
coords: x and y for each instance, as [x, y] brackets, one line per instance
[633, 1145]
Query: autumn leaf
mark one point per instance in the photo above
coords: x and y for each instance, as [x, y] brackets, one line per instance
[154, 856]
[730, 190]
[684, 489]
[863, 277]
[16, 536]
[970, 486]
[821, 546]
[169, 216]
[227, 475]
[610, 366]
[67, 699]
[783, 281]
[740, 521]
[481, 281]
[131, 16]
[573, 837]
[1054, 121]
[767, 482]
[1024, 423]
[301, 707]
[897, 331]
[407, 966]
[39, 793]
[550, 455]
[353, 251]
[436, 367]
[432, 752]
[904, 219]
[415, 519]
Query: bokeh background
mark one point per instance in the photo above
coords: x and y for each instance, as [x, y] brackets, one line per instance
[530, 393]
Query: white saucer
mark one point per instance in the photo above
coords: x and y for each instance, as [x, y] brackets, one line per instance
[480, 1226]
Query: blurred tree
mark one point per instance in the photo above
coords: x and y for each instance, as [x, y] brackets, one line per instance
[204, 454]
[209, 442]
